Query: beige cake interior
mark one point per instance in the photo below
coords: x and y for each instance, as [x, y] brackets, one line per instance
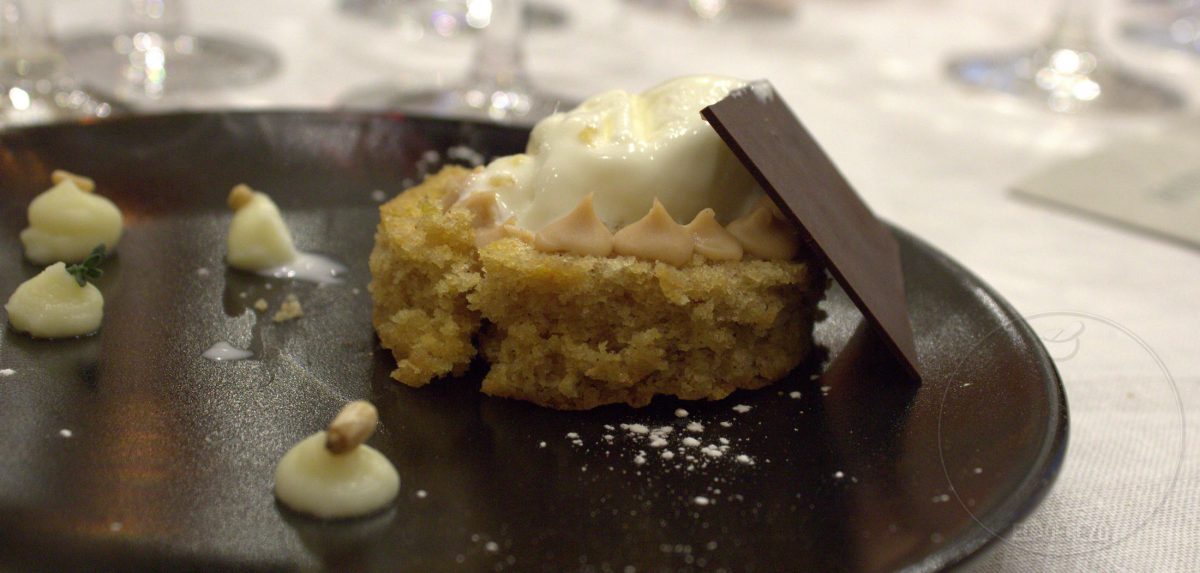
[423, 266]
[575, 332]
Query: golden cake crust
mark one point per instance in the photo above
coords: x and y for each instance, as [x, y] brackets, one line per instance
[575, 332]
[422, 267]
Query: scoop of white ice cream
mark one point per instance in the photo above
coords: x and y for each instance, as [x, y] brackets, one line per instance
[66, 223]
[53, 305]
[311, 479]
[258, 237]
[626, 149]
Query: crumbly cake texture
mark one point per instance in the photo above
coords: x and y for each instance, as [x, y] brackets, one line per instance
[576, 332]
[422, 268]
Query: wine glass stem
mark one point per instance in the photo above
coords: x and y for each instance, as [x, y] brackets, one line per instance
[499, 58]
[27, 50]
[166, 18]
[1075, 25]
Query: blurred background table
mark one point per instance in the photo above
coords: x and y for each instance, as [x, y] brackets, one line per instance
[868, 78]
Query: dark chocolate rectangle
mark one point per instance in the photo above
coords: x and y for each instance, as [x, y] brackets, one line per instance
[854, 245]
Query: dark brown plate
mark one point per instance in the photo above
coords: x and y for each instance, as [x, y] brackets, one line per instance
[170, 459]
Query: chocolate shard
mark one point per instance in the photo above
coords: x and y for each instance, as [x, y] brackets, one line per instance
[790, 166]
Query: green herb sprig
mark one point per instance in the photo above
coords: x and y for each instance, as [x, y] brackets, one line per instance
[89, 269]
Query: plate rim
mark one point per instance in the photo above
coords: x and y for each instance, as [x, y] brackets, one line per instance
[1038, 482]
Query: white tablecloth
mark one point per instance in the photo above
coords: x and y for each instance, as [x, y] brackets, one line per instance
[866, 76]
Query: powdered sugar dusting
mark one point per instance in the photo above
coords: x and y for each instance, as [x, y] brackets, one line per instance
[690, 444]
[636, 428]
[763, 91]
[688, 463]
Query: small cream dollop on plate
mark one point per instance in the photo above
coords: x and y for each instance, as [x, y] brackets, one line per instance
[53, 305]
[258, 237]
[260, 242]
[68, 220]
[333, 474]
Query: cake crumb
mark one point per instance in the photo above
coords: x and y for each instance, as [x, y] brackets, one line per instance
[65, 433]
[668, 455]
[636, 428]
[701, 500]
[691, 442]
[838, 474]
[794, 394]
[695, 427]
[541, 444]
[422, 494]
[260, 305]
[115, 526]
[378, 196]
[290, 309]
[203, 272]
[7, 372]
[492, 546]
[681, 413]
[741, 408]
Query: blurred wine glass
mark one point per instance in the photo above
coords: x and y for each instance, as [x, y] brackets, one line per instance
[446, 18]
[154, 54]
[496, 87]
[1070, 71]
[1171, 24]
[34, 84]
[721, 10]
